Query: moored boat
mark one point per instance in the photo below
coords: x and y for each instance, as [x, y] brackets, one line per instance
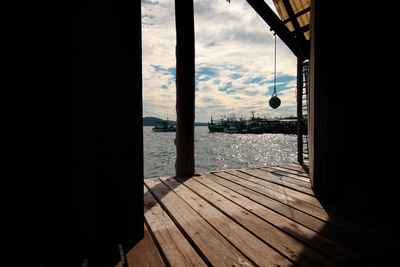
[164, 126]
[215, 126]
[256, 125]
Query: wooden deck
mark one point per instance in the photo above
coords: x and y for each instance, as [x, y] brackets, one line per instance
[263, 216]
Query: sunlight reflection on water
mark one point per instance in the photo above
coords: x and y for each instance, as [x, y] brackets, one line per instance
[218, 151]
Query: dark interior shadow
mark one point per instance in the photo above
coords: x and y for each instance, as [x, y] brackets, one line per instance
[71, 129]
[368, 235]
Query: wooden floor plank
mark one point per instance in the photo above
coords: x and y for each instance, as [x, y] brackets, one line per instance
[296, 166]
[260, 253]
[264, 216]
[336, 234]
[293, 168]
[285, 174]
[288, 173]
[212, 244]
[300, 232]
[281, 180]
[177, 250]
[144, 253]
[286, 244]
[285, 170]
[279, 188]
[352, 226]
[288, 169]
[301, 205]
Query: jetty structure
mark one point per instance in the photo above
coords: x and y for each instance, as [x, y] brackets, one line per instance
[74, 193]
[256, 125]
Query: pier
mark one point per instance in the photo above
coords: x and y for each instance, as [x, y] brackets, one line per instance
[73, 175]
[265, 216]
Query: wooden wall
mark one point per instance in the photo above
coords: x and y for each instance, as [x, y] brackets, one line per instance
[72, 115]
[351, 119]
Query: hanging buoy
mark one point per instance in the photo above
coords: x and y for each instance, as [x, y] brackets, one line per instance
[274, 102]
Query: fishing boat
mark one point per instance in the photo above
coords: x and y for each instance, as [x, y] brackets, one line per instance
[255, 125]
[164, 126]
[232, 128]
[214, 127]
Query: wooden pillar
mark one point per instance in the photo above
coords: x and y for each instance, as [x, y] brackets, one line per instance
[299, 110]
[185, 88]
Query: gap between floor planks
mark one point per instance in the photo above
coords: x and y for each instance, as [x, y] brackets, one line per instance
[231, 210]
[234, 222]
[352, 221]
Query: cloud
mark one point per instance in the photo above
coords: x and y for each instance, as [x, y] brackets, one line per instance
[257, 80]
[225, 87]
[207, 99]
[234, 61]
[206, 73]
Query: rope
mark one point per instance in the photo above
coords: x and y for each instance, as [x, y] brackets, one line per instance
[274, 93]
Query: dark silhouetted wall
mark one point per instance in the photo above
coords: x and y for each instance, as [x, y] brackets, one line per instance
[352, 124]
[72, 130]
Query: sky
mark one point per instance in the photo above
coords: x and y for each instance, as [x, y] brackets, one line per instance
[234, 61]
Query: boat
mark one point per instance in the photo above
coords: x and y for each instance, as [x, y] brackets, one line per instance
[232, 128]
[214, 127]
[164, 126]
[255, 125]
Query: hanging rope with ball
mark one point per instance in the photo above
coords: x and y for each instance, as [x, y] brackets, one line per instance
[274, 102]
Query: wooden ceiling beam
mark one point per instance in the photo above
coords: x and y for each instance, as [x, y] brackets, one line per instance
[298, 14]
[299, 36]
[300, 49]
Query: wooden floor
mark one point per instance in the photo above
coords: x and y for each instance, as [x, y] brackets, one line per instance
[249, 217]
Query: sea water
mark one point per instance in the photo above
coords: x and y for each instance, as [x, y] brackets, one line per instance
[217, 151]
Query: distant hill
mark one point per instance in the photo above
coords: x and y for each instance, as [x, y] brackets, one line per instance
[150, 121]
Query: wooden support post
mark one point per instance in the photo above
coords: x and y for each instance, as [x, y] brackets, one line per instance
[185, 88]
[299, 110]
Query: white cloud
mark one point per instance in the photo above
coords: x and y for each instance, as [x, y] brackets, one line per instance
[234, 46]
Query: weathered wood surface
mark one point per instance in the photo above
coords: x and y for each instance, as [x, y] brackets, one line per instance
[185, 88]
[173, 244]
[206, 238]
[145, 253]
[258, 252]
[286, 225]
[238, 218]
[263, 229]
